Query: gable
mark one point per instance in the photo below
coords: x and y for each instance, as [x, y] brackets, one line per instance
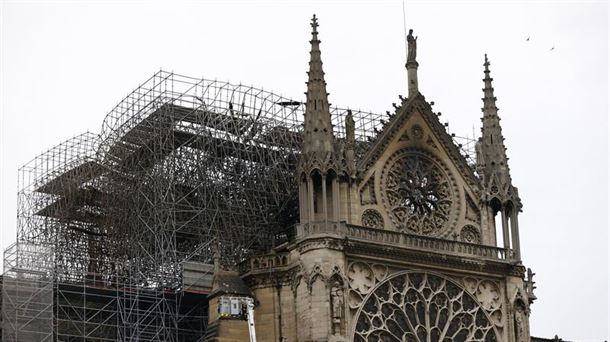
[396, 127]
[414, 166]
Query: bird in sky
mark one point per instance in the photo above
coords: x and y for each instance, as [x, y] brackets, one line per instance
[528, 39]
[553, 48]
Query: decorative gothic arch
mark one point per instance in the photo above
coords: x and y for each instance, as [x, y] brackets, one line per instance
[315, 274]
[415, 306]
[337, 289]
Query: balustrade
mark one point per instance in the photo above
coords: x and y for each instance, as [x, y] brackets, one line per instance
[344, 230]
[353, 232]
[427, 243]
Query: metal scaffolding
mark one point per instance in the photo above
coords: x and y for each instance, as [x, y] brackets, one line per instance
[110, 224]
[115, 229]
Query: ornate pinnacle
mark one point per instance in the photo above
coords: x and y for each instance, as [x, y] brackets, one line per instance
[314, 25]
[489, 100]
[486, 64]
[318, 136]
[492, 157]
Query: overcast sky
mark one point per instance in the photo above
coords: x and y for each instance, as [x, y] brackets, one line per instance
[65, 64]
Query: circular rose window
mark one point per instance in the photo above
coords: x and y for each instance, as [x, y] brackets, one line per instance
[418, 194]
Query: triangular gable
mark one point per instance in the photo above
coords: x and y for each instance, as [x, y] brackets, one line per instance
[501, 189]
[395, 126]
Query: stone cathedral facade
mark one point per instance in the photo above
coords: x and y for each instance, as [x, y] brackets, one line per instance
[397, 244]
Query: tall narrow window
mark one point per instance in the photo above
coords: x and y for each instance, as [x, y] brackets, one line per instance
[496, 208]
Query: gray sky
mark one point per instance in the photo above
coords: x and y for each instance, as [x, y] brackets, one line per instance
[65, 64]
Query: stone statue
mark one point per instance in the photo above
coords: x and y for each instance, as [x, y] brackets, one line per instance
[336, 297]
[520, 325]
[412, 44]
[349, 127]
[350, 138]
[530, 285]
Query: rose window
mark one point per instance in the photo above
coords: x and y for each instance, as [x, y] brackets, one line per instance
[422, 307]
[470, 234]
[372, 218]
[418, 195]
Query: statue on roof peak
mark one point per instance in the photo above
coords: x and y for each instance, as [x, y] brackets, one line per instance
[412, 44]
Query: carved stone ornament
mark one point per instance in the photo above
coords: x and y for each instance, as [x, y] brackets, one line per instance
[367, 193]
[487, 293]
[337, 305]
[521, 328]
[422, 307]
[316, 273]
[472, 211]
[362, 277]
[494, 189]
[412, 47]
[431, 143]
[470, 234]
[418, 194]
[372, 218]
[417, 131]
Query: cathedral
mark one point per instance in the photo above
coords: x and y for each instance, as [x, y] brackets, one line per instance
[206, 211]
[396, 242]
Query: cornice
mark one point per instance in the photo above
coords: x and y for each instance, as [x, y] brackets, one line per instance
[396, 254]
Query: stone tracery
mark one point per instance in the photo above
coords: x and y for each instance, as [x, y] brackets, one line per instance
[470, 234]
[372, 218]
[418, 194]
[419, 307]
[361, 277]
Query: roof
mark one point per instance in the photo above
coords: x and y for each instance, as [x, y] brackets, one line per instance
[229, 282]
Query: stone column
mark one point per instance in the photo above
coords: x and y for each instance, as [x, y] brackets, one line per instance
[336, 201]
[514, 225]
[324, 199]
[488, 222]
[505, 234]
[303, 209]
[412, 78]
[310, 194]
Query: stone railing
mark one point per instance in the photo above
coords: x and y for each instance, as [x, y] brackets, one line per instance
[320, 228]
[264, 262]
[400, 239]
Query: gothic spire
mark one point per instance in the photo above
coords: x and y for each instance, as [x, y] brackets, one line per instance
[489, 100]
[318, 186]
[318, 135]
[492, 165]
[491, 157]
